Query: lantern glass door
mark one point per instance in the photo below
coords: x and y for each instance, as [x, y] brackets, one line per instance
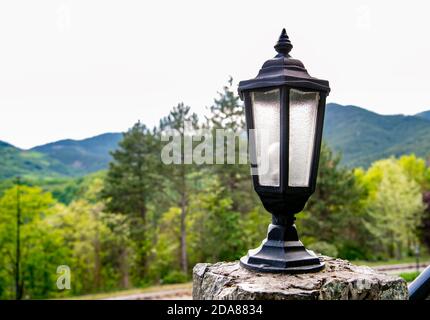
[266, 112]
[303, 111]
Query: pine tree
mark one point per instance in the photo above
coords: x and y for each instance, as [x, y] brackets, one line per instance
[130, 181]
[177, 174]
[228, 113]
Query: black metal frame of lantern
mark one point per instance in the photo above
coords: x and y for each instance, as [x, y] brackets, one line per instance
[282, 251]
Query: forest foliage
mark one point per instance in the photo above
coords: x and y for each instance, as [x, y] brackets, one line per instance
[143, 222]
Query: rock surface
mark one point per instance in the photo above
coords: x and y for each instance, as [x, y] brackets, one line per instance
[339, 280]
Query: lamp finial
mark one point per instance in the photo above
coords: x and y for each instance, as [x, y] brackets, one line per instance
[283, 46]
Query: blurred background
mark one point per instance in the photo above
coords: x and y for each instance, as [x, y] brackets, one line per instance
[86, 88]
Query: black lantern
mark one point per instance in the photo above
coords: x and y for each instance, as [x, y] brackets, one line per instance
[286, 104]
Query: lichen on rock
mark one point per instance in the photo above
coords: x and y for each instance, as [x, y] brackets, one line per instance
[339, 280]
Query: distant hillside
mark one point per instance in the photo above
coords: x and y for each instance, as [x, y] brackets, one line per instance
[424, 115]
[82, 156]
[15, 162]
[4, 144]
[363, 136]
[65, 158]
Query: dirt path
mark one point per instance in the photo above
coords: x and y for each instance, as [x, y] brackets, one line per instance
[400, 268]
[175, 294]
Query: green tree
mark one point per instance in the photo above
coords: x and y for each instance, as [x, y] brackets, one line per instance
[395, 206]
[424, 228]
[334, 214]
[228, 114]
[130, 182]
[130, 178]
[101, 250]
[99, 258]
[177, 175]
[42, 248]
[167, 250]
[415, 168]
[215, 228]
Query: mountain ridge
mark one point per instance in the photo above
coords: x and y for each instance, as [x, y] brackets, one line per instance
[424, 115]
[363, 136]
[86, 155]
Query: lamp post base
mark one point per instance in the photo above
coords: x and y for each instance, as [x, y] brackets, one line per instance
[340, 280]
[282, 252]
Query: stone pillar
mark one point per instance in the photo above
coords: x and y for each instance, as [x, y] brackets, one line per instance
[339, 280]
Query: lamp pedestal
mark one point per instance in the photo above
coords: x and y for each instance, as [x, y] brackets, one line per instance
[338, 280]
[282, 251]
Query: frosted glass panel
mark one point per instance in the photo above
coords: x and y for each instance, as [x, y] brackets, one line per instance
[267, 119]
[303, 117]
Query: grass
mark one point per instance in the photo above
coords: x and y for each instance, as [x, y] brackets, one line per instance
[409, 276]
[424, 258]
[128, 292]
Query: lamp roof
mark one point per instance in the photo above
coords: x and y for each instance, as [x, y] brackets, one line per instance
[284, 70]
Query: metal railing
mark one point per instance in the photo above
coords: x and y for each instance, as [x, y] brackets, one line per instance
[419, 289]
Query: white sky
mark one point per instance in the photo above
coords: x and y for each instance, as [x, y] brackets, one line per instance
[74, 69]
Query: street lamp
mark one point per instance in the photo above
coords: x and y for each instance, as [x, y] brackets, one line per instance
[284, 109]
